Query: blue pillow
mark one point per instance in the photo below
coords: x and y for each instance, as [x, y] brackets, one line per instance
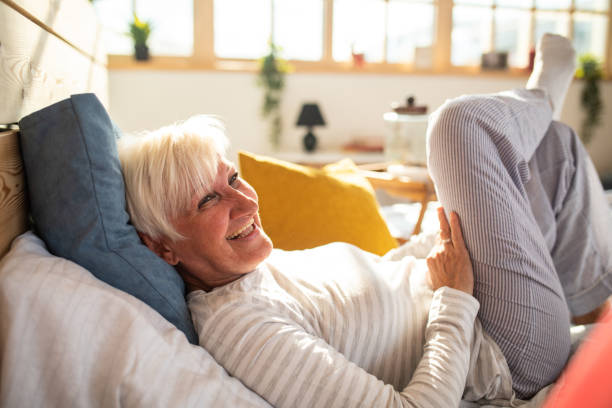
[77, 204]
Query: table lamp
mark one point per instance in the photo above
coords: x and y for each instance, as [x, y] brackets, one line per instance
[310, 116]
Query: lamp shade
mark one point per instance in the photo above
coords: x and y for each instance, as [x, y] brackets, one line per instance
[310, 115]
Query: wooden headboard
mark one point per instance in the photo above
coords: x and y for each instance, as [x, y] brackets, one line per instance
[49, 49]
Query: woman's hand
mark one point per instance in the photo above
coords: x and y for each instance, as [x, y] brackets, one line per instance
[449, 261]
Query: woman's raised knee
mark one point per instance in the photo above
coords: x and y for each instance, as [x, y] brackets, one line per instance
[457, 127]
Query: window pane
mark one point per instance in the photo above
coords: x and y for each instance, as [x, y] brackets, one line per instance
[171, 25]
[590, 34]
[359, 25]
[298, 28]
[550, 22]
[475, 2]
[410, 25]
[514, 3]
[596, 5]
[512, 35]
[553, 4]
[471, 34]
[115, 15]
[242, 28]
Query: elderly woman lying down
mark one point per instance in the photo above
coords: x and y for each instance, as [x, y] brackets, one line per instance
[336, 326]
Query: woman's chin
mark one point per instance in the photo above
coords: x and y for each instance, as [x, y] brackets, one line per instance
[259, 248]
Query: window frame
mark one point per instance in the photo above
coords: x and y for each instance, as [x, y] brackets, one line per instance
[203, 57]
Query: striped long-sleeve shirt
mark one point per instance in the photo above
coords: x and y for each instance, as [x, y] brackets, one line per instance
[336, 326]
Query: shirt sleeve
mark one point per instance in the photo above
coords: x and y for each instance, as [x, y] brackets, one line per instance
[289, 367]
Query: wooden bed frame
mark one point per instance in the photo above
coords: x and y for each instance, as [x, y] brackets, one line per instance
[48, 51]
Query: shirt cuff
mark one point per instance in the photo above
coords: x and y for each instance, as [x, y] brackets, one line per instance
[455, 304]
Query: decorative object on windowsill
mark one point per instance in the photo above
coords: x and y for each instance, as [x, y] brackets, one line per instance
[406, 128]
[139, 32]
[271, 77]
[423, 57]
[589, 69]
[494, 60]
[358, 58]
[310, 116]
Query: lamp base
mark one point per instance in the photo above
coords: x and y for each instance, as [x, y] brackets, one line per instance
[310, 142]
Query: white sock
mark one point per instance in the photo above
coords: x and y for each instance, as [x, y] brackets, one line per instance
[553, 69]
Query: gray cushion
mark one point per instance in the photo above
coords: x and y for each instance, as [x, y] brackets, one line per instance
[77, 203]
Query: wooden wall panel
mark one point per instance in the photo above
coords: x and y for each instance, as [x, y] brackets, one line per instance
[37, 68]
[13, 208]
[73, 20]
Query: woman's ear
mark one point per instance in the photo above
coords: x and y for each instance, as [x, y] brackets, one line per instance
[160, 248]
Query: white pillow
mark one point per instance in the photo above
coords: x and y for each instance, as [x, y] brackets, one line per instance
[68, 339]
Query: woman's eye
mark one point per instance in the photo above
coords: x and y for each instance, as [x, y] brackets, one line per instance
[234, 181]
[206, 200]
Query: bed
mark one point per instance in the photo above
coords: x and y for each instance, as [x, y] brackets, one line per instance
[66, 337]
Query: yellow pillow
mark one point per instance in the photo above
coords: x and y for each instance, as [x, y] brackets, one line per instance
[303, 207]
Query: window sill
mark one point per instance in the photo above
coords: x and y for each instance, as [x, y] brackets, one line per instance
[169, 63]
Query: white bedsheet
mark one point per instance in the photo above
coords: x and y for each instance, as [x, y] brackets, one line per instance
[67, 339]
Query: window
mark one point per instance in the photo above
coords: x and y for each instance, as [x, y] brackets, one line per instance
[514, 26]
[172, 25]
[241, 34]
[294, 25]
[326, 35]
[298, 28]
[384, 31]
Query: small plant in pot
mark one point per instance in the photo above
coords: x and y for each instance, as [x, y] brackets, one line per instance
[589, 69]
[140, 31]
[271, 77]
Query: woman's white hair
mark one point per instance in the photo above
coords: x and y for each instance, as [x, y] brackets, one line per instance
[163, 169]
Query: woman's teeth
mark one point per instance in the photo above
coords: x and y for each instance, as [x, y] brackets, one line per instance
[246, 230]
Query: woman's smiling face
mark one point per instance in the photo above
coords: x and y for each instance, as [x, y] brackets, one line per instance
[223, 235]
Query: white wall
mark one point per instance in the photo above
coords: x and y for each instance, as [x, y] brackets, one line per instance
[352, 104]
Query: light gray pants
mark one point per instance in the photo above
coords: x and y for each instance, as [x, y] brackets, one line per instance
[535, 221]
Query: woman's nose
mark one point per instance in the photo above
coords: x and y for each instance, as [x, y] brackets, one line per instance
[243, 204]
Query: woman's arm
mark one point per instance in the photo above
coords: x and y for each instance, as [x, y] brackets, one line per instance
[288, 367]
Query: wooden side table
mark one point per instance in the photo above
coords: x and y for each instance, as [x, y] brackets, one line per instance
[421, 191]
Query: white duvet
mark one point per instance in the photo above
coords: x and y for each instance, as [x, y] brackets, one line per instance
[68, 339]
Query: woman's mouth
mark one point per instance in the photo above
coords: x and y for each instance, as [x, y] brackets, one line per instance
[243, 232]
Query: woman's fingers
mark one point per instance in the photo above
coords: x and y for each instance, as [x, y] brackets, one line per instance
[456, 232]
[445, 229]
[450, 232]
[449, 262]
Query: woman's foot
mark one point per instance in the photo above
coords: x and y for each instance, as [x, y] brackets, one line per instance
[553, 70]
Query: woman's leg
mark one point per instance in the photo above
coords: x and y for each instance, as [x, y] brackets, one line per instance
[479, 149]
[532, 211]
[569, 205]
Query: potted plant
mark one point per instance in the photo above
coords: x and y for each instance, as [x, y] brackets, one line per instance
[271, 77]
[590, 71]
[140, 31]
